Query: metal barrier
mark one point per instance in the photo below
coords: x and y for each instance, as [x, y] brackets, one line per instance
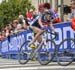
[9, 49]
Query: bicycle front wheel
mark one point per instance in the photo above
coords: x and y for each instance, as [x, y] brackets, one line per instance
[65, 55]
[45, 57]
[23, 53]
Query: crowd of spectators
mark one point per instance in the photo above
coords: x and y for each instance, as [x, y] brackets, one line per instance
[13, 28]
[18, 25]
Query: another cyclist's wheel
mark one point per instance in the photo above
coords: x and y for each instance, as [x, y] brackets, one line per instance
[45, 57]
[65, 55]
[23, 53]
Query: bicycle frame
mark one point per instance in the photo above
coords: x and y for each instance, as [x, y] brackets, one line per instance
[44, 38]
[37, 52]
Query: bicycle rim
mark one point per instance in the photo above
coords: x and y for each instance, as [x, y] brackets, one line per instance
[23, 53]
[65, 57]
[46, 57]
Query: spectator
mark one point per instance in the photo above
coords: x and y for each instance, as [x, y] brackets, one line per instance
[14, 26]
[3, 34]
[28, 15]
[17, 26]
[72, 10]
[6, 30]
[21, 17]
[1, 37]
[20, 24]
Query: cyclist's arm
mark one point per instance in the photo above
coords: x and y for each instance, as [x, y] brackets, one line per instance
[52, 27]
[39, 21]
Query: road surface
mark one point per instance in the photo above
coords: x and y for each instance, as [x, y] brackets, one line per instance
[9, 64]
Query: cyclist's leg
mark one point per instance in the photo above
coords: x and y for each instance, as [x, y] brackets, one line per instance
[36, 30]
[39, 39]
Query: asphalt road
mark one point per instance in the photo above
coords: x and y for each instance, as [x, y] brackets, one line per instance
[8, 64]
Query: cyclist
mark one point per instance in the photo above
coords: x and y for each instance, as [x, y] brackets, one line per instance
[55, 16]
[33, 25]
[45, 17]
[45, 20]
[37, 23]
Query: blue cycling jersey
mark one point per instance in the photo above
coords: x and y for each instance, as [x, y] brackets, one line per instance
[33, 21]
[44, 21]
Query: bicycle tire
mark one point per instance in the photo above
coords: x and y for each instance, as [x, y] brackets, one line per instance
[65, 57]
[23, 53]
[49, 55]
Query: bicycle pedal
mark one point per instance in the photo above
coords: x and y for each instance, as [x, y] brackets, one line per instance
[32, 46]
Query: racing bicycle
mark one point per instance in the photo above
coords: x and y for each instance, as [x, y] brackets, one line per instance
[41, 52]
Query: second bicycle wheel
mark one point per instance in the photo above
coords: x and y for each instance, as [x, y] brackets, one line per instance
[65, 55]
[45, 57]
[23, 53]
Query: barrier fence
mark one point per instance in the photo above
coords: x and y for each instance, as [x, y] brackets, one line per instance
[12, 45]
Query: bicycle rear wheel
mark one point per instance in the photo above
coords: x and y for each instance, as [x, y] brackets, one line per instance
[45, 57]
[23, 53]
[65, 56]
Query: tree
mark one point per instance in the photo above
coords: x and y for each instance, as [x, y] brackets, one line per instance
[10, 10]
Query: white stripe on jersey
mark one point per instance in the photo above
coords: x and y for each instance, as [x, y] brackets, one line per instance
[33, 21]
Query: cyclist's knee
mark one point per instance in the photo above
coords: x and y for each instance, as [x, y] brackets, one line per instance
[40, 31]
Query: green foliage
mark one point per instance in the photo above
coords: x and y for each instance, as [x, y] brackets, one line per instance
[10, 10]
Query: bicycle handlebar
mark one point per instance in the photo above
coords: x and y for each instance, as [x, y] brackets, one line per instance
[55, 35]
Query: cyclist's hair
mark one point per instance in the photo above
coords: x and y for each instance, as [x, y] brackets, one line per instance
[47, 5]
[41, 6]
